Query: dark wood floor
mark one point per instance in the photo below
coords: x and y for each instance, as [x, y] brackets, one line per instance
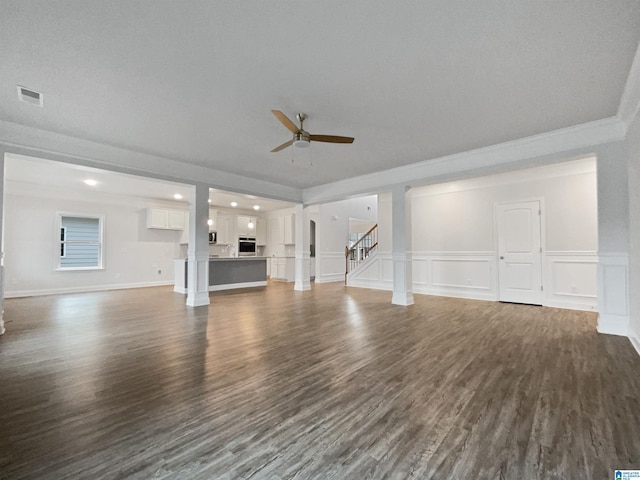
[334, 383]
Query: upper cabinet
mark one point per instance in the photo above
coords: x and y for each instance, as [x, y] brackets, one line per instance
[213, 220]
[245, 226]
[184, 236]
[165, 218]
[286, 229]
[226, 229]
[261, 232]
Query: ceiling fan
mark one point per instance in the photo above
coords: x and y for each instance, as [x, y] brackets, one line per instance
[301, 138]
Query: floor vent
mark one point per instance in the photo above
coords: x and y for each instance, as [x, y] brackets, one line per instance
[29, 96]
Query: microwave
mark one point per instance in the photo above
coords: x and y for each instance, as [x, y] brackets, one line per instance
[213, 237]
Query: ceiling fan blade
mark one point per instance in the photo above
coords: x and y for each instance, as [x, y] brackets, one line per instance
[283, 146]
[285, 121]
[331, 139]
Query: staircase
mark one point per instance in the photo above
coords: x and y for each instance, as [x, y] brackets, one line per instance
[360, 250]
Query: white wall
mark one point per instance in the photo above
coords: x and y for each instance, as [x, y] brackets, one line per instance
[454, 244]
[133, 254]
[633, 155]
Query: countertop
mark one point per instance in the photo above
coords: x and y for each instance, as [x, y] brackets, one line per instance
[235, 259]
[229, 259]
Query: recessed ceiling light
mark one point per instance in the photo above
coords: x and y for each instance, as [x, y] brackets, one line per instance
[210, 222]
[177, 196]
[209, 200]
[234, 204]
[256, 207]
[91, 182]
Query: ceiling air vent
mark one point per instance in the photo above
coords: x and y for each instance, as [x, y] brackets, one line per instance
[29, 96]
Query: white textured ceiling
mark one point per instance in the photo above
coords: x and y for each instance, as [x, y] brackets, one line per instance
[195, 80]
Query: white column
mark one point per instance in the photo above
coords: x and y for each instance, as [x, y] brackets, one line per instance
[1, 242]
[613, 240]
[198, 252]
[401, 248]
[303, 248]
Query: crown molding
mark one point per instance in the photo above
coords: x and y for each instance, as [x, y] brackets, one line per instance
[569, 143]
[630, 100]
[33, 142]
[584, 166]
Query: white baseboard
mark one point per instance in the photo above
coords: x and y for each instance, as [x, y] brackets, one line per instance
[233, 286]
[584, 307]
[635, 341]
[329, 278]
[373, 285]
[468, 294]
[613, 325]
[83, 289]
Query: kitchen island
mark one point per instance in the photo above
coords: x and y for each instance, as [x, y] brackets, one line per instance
[226, 273]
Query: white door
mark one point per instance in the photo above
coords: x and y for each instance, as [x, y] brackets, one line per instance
[519, 252]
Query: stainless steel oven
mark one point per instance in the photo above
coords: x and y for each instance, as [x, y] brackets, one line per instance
[247, 246]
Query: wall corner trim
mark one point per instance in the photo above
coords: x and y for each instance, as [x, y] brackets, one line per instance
[630, 101]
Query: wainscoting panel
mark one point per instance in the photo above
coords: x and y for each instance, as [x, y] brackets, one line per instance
[375, 272]
[455, 274]
[386, 264]
[452, 274]
[571, 280]
[330, 267]
[613, 289]
[420, 271]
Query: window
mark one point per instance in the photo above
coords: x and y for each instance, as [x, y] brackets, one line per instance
[80, 242]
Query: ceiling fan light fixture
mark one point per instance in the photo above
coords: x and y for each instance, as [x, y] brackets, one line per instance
[301, 139]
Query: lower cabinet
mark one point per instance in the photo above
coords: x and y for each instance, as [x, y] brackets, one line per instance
[283, 268]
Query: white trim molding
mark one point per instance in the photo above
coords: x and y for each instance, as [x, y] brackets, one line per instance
[34, 142]
[635, 341]
[329, 267]
[84, 289]
[376, 272]
[455, 274]
[571, 280]
[570, 277]
[630, 101]
[613, 293]
[578, 141]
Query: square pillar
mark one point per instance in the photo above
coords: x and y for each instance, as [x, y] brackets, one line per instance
[303, 248]
[2, 242]
[198, 251]
[401, 248]
[613, 240]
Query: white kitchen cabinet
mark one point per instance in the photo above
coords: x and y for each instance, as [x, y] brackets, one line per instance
[226, 229]
[261, 231]
[176, 220]
[286, 229]
[283, 268]
[165, 218]
[213, 216]
[157, 218]
[245, 226]
[184, 237]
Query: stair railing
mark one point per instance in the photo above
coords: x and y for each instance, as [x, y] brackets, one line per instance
[360, 250]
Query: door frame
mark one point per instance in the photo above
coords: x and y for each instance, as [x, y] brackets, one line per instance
[543, 243]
